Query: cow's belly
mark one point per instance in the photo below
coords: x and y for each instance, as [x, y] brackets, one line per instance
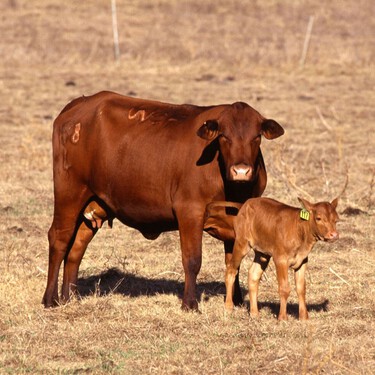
[140, 214]
[143, 188]
[151, 208]
[136, 205]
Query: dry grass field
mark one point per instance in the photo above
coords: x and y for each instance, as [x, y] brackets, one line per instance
[128, 319]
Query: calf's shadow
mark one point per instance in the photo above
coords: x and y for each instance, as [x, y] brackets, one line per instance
[292, 308]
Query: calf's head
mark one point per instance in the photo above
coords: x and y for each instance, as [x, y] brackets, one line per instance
[239, 129]
[323, 218]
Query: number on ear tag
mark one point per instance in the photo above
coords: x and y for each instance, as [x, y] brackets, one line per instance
[304, 214]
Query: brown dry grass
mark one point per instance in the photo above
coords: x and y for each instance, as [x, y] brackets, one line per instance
[205, 52]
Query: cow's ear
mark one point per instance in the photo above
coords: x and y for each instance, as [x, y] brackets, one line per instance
[271, 129]
[209, 130]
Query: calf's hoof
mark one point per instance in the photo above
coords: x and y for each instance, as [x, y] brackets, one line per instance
[228, 307]
[281, 318]
[254, 314]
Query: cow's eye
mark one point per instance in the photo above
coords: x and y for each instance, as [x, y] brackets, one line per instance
[318, 218]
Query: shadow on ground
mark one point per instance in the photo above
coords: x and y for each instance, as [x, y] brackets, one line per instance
[292, 308]
[115, 281]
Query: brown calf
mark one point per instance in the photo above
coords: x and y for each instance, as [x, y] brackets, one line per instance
[273, 229]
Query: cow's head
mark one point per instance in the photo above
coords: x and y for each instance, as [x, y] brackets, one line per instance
[239, 129]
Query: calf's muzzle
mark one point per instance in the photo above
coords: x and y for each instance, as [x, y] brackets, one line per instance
[332, 236]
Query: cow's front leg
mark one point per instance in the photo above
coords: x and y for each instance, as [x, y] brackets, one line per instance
[237, 294]
[191, 229]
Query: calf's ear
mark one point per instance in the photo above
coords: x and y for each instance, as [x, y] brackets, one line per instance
[334, 203]
[305, 204]
[209, 130]
[271, 129]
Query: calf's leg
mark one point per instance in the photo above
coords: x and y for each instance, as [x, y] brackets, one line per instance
[256, 270]
[240, 249]
[284, 288]
[299, 277]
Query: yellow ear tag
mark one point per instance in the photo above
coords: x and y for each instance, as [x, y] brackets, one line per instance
[304, 214]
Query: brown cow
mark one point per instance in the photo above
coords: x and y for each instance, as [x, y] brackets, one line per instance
[272, 229]
[155, 167]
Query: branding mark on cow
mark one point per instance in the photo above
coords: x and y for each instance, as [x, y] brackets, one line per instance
[135, 114]
[75, 136]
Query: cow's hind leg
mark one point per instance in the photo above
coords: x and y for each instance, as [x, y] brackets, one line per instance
[68, 207]
[73, 259]
[92, 219]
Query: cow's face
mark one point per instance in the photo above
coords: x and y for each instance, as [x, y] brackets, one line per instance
[239, 132]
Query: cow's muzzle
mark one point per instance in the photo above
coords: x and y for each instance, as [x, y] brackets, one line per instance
[240, 172]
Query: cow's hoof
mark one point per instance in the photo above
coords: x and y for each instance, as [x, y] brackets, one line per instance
[49, 304]
[190, 306]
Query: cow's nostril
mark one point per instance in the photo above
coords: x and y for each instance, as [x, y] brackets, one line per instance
[244, 171]
[241, 172]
